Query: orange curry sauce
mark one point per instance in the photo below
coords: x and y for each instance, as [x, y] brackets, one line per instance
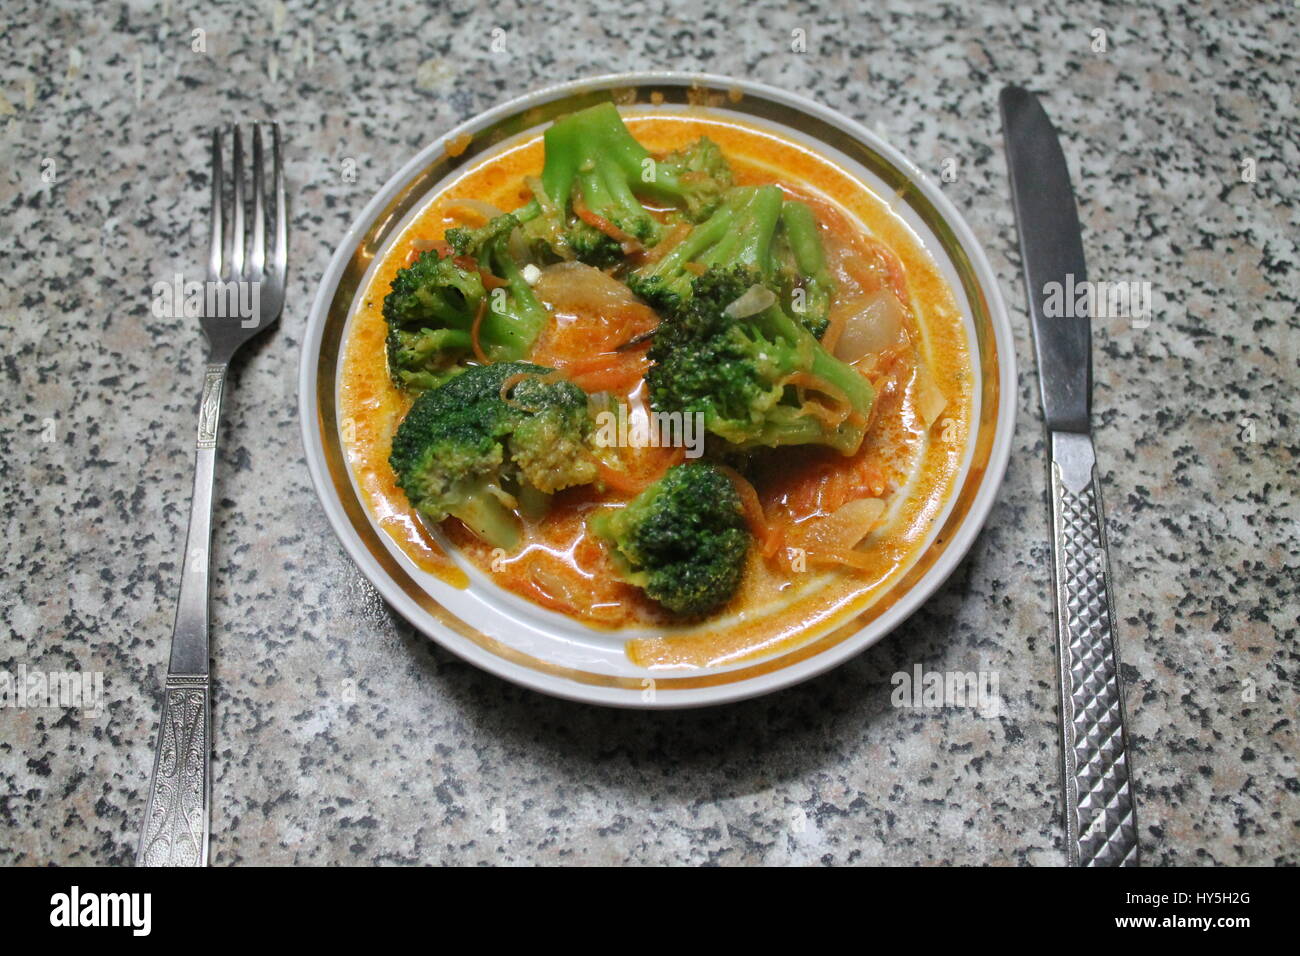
[561, 566]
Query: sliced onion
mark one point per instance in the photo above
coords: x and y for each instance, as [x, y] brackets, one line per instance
[930, 402]
[476, 206]
[843, 529]
[555, 586]
[424, 245]
[579, 289]
[871, 323]
[755, 299]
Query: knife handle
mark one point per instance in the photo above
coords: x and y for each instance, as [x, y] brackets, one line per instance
[176, 818]
[1101, 820]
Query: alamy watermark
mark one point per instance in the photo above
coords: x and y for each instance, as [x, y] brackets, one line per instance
[921, 689]
[617, 428]
[213, 299]
[53, 690]
[1098, 300]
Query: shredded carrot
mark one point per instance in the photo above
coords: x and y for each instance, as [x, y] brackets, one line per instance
[675, 456]
[629, 242]
[474, 330]
[832, 417]
[849, 558]
[420, 246]
[834, 329]
[470, 264]
[629, 484]
[815, 409]
[769, 538]
[893, 267]
[619, 480]
[817, 383]
[607, 371]
[510, 383]
[614, 378]
[665, 245]
[513, 380]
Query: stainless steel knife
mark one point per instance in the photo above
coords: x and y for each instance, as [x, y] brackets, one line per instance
[1100, 815]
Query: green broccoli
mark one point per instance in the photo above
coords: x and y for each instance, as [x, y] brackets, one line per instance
[465, 450]
[433, 303]
[739, 233]
[755, 228]
[696, 176]
[515, 316]
[802, 278]
[742, 373]
[592, 159]
[430, 312]
[683, 540]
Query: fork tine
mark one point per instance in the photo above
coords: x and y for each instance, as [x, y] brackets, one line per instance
[280, 255]
[257, 254]
[214, 242]
[237, 211]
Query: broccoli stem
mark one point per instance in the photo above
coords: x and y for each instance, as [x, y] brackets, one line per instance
[485, 515]
[431, 341]
[605, 191]
[749, 242]
[698, 240]
[593, 150]
[807, 353]
[787, 426]
[520, 315]
[528, 212]
[738, 233]
[594, 137]
[805, 244]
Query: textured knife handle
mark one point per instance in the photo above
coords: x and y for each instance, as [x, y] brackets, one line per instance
[175, 831]
[1101, 821]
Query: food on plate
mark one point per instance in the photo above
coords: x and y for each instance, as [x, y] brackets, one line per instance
[662, 372]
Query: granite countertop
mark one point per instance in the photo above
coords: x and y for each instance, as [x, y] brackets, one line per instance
[344, 737]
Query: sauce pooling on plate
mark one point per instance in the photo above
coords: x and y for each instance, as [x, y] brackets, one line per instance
[893, 318]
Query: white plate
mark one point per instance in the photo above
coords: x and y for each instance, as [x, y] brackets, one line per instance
[549, 652]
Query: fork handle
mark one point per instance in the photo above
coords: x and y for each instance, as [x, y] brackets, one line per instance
[1100, 815]
[176, 822]
[176, 819]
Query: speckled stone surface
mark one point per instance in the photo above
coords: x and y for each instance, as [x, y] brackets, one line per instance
[344, 737]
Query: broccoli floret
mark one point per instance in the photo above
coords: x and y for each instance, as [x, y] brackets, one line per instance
[464, 450]
[594, 165]
[433, 303]
[757, 229]
[739, 233]
[683, 540]
[696, 176]
[515, 316]
[803, 280]
[744, 373]
[430, 312]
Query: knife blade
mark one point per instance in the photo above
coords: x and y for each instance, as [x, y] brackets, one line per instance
[1100, 811]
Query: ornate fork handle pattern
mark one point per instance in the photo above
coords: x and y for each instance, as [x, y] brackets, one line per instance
[176, 818]
[1101, 820]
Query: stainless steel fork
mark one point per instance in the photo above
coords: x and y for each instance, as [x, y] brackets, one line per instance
[243, 295]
